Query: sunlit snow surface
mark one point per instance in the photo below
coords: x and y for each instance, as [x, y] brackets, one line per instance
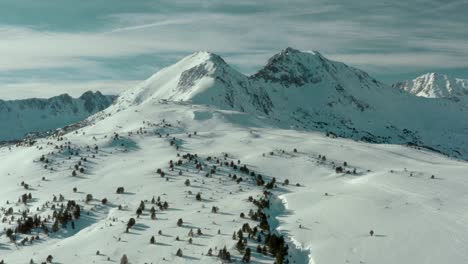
[414, 200]
[416, 219]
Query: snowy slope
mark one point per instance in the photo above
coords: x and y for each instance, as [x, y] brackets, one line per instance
[435, 85]
[209, 121]
[20, 117]
[306, 91]
[326, 218]
[201, 78]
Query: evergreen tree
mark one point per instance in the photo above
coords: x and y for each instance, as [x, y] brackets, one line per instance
[246, 258]
[124, 259]
[240, 245]
[131, 223]
[139, 211]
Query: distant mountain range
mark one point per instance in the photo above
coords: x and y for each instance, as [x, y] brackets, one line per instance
[20, 117]
[435, 85]
[295, 90]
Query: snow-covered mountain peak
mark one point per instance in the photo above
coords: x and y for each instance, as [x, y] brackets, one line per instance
[205, 78]
[302, 90]
[293, 67]
[204, 58]
[435, 85]
[200, 78]
[182, 81]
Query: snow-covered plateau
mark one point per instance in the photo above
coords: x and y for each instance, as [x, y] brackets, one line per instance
[307, 161]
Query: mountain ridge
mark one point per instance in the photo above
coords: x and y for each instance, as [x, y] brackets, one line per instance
[37, 115]
[435, 85]
[306, 91]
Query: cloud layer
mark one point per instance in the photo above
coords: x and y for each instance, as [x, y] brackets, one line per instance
[115, 43]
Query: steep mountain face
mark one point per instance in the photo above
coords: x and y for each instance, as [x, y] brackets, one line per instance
[435, 85]
[306, 91]
[38, 115]
[202, 78]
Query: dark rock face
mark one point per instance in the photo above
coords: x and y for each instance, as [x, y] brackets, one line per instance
[287, 68]
[94, 102]
[189, 77]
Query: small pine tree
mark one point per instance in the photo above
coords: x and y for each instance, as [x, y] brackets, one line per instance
[139, 211]
[89, 198]
[152, 240]
[180, 222]
[131, 222]
[240, 245]
[179, 253]
[259, 249]
[124, 259]
[246, 258]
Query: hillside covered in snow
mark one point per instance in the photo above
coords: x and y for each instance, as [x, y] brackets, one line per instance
[306, 91]
[202, 164]
[23, 117]
[435, 85]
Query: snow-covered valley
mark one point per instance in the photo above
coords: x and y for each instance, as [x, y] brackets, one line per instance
[225, 154]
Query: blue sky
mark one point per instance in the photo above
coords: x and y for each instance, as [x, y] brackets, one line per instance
[49, 47]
